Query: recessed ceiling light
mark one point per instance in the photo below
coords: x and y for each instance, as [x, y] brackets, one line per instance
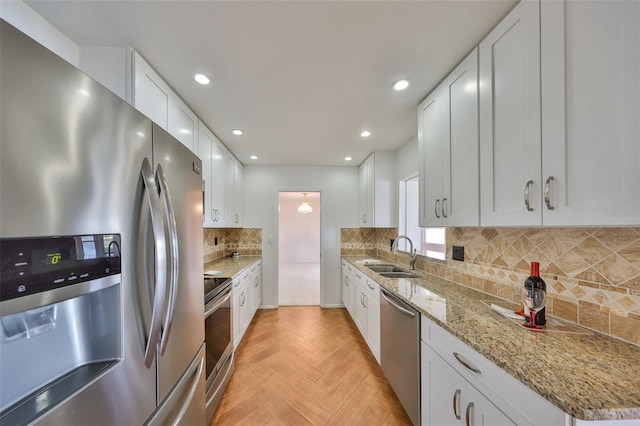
[202, 79]
[237, 132]
[400, 85]
[347, 158]
[254, 157]
[365, 134]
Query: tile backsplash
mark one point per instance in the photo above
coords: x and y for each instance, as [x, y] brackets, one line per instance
[592, 274]
[246, 241]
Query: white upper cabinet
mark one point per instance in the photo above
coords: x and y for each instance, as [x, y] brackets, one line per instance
[448, 149]
[183, 123]
[154, 98]
[213, 154]
[559, 108]
[510, 179]
[378, 191]
[205, 144]
[590, 112]
[235, 192]
[150, 94]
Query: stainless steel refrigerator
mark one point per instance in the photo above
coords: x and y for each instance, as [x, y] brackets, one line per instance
[101, 305]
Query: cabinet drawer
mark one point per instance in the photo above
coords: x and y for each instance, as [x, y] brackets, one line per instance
[373, 288]
[516, 400]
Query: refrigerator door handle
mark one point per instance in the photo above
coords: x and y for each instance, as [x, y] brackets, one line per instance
[173, 254]
[160, 262]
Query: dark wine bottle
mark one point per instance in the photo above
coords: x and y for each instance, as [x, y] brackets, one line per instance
[534, 282]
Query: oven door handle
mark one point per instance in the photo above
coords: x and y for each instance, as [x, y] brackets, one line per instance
[212, 309]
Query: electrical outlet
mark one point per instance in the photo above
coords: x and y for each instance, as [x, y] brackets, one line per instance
[458, 253]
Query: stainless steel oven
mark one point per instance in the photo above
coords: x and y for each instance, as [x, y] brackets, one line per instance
[218, 339]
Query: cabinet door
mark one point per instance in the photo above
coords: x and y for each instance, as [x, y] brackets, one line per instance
[150, 93]
[234, 191]
[212, 154]
[590, 112]
[481, 412]
[183, 123]
[257, 289]
[373, 320]
[205, 143]
[345, 285]
[443, 391]
[360, 303]
[218, 184]
[430, 160]
[366, 212]
[460, 204]
[236, 303]
[510, 120]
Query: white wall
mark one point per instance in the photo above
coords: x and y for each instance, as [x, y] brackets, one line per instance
[299, 234]
[339, 194]
[21, 16]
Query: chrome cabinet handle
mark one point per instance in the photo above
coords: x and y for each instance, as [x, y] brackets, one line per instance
[526, 196]
[160, 251]
[456, 404]
[444, 207]
[468, 416]
[370, 286]
[173, 252]
[436, 208]
[364, 299]
[547, 192]
[466, 363]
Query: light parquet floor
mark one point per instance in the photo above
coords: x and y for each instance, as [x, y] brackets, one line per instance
[305, 365]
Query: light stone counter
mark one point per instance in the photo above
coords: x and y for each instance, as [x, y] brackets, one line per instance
[230, 267]
[589, 376]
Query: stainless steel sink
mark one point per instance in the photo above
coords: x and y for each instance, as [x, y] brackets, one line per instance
[385, 268]
[398, 274]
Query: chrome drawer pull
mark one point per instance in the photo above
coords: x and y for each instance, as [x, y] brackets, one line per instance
[436, 208]
[466, 363]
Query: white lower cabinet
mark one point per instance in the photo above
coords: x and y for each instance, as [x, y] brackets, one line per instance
[348, 287]
[240, 309]
[461, 387]
[363, 295]
[246, 297]
[372, 301]
[360, 316]
[448, 399]
[255, 287]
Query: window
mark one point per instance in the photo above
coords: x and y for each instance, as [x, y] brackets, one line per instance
[429, 242]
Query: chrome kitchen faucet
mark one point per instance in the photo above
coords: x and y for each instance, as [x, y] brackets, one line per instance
[413, 256]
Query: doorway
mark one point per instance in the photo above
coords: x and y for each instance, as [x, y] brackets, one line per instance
[298, 248]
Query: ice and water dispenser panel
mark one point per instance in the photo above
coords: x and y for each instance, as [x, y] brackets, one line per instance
[60, 319]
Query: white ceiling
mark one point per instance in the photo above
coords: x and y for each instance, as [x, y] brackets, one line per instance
[301, 78]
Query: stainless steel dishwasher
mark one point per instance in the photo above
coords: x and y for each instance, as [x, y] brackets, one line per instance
[400, 351]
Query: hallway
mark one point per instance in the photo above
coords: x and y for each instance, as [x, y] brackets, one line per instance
[307, 365]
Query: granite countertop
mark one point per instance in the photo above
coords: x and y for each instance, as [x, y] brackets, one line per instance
[230, 267]
[590, 376]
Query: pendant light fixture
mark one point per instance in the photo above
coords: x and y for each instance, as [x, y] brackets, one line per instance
[305, 208]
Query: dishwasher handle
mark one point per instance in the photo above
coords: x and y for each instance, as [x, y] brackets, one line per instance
[395, 305]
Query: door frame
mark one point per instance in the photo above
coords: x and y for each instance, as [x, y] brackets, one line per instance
[277, 240]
